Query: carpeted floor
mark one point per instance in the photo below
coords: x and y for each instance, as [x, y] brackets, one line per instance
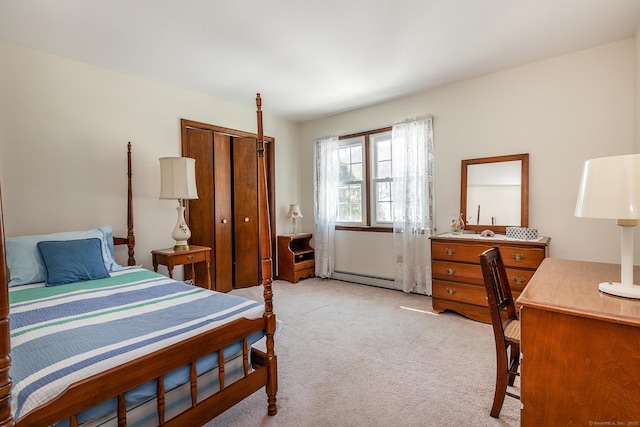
[355, 355]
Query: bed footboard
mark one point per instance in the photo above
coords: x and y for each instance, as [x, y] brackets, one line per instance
[92, 391]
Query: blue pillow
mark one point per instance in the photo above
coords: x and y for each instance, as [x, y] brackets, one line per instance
[24, 261]
[70, 261]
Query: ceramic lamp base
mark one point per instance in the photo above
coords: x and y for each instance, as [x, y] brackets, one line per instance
[620, 290]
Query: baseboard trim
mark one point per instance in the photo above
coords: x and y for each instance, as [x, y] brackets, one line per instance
[365, 279]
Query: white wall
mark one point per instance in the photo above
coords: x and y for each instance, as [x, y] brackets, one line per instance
[64, 126]
[562, 111]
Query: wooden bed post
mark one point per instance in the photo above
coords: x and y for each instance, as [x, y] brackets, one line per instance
[5, 341]
[266, 268]
[131, 240]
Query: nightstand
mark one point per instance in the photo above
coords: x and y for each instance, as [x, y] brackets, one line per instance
[296, 257]
[192, 256]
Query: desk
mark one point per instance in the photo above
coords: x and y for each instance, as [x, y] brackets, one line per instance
[191, 256]
[580, 348]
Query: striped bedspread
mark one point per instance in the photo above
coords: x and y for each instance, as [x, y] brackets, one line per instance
[62, 334]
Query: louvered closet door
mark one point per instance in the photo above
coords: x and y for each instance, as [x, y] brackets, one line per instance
[245, 206]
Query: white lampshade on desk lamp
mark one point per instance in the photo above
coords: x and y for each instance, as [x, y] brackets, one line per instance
[294, 212]
[610, 188]
[178, 182]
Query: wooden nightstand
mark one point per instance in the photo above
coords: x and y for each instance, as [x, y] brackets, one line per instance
[194, 255]
[296, 257]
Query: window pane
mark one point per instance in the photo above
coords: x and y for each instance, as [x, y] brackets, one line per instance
[345, 172]
[356, 194]
[383, 191]
[384, 212]
[343, 194]
[384, 169]
[344, 154]
[356, 213]
[343, 212]
[356, 153]
[350, 203]
[384, 149]
[356, 172]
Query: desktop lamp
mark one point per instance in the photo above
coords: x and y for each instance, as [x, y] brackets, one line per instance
[294, 212]
[610, 188]
[178, 182]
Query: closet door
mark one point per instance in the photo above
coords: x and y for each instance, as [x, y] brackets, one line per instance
[222, 213]
[225, 215]
[210, 216]
[245, 208]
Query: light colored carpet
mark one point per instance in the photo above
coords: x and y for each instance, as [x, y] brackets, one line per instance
[356, 355]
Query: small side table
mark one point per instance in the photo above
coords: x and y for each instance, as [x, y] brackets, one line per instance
[193, 255]
[295, 257]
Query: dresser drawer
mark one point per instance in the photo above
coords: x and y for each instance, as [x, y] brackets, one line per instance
[464, 293]
[518, 279]
[458, 272]
[513, 256]
[303, 265]
[521, 257]
[459, 252]
[460, 292]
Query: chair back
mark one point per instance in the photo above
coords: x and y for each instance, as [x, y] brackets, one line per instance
[498, 290]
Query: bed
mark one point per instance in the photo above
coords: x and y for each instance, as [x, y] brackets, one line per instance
[90, 349]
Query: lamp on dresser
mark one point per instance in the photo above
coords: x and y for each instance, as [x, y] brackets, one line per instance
[294, 213]
[610, 188]
[178, 182]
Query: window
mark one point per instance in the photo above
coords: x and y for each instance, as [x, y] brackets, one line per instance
[364, 191]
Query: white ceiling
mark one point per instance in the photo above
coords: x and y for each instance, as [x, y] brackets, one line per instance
[313, 59]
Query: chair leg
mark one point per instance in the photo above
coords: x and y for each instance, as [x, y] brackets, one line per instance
[501, 384]
[514, 362]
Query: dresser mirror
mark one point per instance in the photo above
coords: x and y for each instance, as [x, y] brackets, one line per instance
[494, 192]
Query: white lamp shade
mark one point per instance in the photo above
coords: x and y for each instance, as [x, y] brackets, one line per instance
[294, 211]
[178, 178]
[610, 188]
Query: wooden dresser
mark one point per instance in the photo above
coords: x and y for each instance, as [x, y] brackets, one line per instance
[457, 277]
[580, 348]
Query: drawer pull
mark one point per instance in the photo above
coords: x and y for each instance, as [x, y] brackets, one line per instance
[449, 251]
[246, 219]
[189, 257]
[224, 221]
[450, 271]
[451, 291]
[518, 280]
[517, 257]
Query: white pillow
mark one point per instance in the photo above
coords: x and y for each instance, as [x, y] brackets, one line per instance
[25, 262]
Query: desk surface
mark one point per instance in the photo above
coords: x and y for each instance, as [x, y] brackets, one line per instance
[571, 287]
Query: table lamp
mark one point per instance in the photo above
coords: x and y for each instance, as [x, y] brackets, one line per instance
[294, 212]
[178, 182]
[610, 188]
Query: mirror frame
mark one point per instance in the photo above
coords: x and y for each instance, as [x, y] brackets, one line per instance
[524, 190]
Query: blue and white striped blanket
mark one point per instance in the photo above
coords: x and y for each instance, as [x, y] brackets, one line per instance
[62, 334]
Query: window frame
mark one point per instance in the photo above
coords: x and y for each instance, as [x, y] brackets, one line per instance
[368, 223]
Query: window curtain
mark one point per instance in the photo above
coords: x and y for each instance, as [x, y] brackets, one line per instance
[326, 202]
[412, 142]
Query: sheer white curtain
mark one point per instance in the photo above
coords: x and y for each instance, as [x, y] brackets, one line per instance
[412, 142]
[326, 202]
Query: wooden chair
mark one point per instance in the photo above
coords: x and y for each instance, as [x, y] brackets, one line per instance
[506, 326]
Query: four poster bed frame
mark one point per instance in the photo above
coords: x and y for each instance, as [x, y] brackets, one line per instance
[115, 382]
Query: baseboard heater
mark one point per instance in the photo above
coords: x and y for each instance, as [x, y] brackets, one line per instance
[365, 279]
